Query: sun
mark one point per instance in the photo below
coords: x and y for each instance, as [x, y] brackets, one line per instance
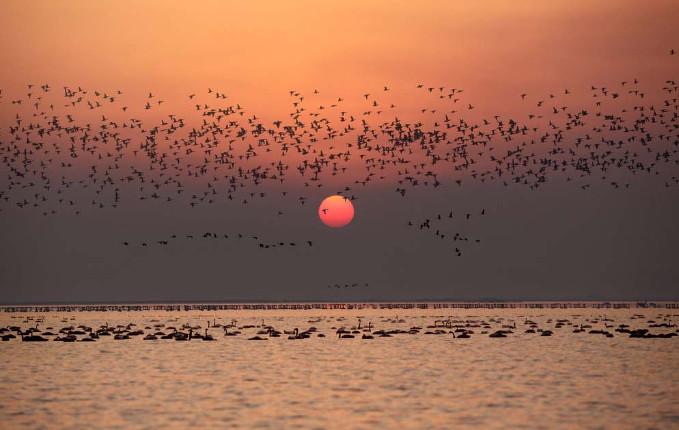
[336, 211]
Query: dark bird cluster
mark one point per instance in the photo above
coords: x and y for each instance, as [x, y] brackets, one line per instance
[352, 285]
[664, 326]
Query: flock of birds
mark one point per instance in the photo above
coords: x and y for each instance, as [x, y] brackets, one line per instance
[220, 236]
[664, 326]
[436, 224]
[73, 148]
[352, 285]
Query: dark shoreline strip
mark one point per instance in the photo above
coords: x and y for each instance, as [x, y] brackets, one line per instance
[336, 306]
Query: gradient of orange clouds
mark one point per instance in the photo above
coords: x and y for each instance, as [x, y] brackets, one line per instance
[256, 51]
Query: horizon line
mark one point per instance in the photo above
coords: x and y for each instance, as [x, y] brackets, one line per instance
[335, 302]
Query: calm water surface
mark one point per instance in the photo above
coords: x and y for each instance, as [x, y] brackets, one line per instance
[568, 380]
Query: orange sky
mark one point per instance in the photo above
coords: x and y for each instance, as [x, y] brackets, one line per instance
[257, 50]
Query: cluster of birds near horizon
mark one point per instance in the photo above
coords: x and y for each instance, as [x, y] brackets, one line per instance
[72, 148]
[352, 285]
[664, 326]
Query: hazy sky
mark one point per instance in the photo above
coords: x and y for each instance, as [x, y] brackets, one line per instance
[559, 242]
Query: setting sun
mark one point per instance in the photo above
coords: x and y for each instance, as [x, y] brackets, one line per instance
[336, 211]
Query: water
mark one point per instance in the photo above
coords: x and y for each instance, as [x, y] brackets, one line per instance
[568, 380]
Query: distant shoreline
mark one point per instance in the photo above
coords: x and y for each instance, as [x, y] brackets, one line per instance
[231, 306]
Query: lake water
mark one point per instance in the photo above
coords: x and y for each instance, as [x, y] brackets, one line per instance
[418, 380]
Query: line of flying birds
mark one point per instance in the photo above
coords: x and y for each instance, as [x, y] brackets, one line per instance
[211, 236]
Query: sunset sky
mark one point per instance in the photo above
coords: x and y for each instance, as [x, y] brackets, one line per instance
[559, 242]
[257, 51]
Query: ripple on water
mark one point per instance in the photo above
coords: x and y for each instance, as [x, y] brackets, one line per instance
[406, 381]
